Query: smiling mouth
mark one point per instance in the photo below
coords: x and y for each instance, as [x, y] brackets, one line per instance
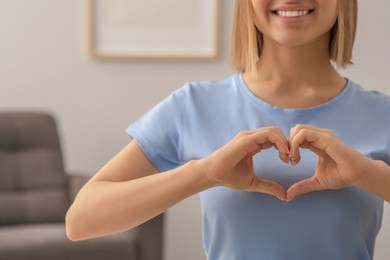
[294, 13]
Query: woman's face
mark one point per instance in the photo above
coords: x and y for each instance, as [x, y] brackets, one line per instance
[295, 23]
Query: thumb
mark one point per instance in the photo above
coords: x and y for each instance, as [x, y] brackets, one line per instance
[268, 187]
[302, 187]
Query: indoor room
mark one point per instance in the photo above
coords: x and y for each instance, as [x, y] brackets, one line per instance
[77, 79]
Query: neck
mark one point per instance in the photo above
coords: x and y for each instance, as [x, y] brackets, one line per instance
[295, 76]
[296, 66]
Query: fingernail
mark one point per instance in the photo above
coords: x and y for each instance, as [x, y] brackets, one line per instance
[286, 160]
[293, 162]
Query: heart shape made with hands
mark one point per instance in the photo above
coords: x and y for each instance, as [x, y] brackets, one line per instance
[338, 165]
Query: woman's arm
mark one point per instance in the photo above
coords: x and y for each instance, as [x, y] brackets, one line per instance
[376, 180]
[338, 166]
[127, 191]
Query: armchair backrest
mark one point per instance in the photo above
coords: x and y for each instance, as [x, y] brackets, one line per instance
[32, 177]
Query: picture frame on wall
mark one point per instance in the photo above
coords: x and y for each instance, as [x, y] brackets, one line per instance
[152, 29]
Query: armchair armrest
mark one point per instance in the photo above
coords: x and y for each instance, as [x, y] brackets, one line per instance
[151, 238]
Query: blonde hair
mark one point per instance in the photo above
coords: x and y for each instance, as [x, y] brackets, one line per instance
[247, 40]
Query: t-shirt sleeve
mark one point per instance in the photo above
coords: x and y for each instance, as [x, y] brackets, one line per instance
[158, 131]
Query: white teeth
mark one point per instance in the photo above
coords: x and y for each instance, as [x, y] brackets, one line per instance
[292, 13]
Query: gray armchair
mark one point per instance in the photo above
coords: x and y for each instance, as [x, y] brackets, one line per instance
[35, 193]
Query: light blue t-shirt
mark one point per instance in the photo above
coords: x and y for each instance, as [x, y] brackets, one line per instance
[340, 224]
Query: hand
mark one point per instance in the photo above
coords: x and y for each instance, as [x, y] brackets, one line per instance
[338, 166]
[232, 165]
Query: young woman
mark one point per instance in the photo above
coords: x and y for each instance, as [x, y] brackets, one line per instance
[237, 143]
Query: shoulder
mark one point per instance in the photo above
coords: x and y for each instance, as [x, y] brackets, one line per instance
[207, 88]
[370, 109]
[370, 99]
[196, 94]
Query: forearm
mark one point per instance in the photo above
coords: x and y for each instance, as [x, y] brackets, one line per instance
[377, 180]
[103, 208]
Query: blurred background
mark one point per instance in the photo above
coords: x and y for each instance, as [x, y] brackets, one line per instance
[44, 67]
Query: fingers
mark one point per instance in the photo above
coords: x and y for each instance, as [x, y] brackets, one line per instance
[254, 141]
[302, 187]
[268, 187]
[309, 137]
[273, 136]
[296, 129]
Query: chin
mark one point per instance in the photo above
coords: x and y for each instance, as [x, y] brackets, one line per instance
[292, 43]
[296, 41]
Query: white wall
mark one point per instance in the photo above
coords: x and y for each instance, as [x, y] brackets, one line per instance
[43, 66]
